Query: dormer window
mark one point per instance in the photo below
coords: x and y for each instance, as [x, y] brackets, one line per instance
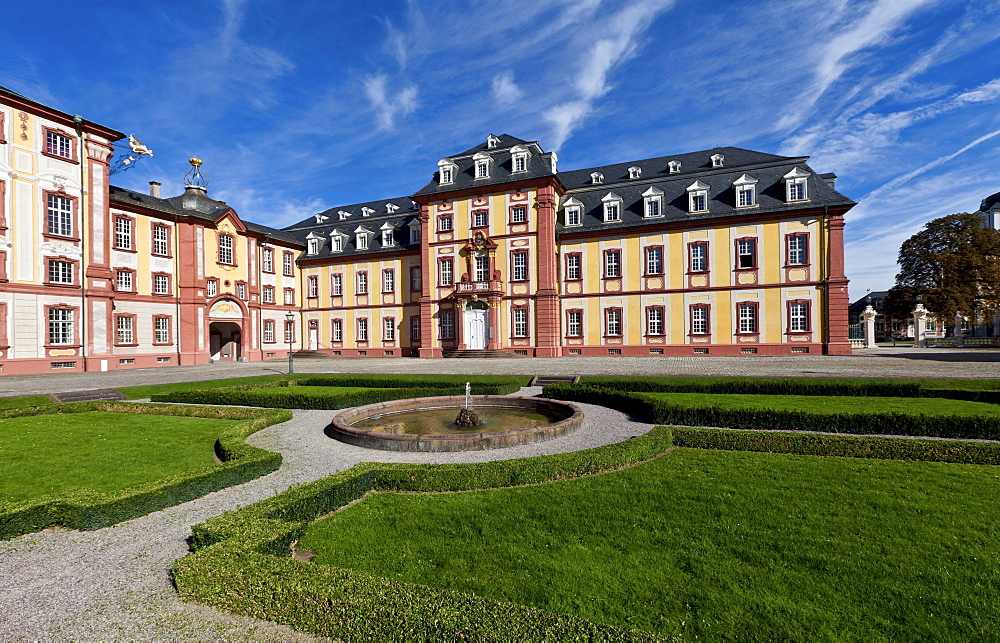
[697, 197]
[596, 177]
[415, 231]
[518, 159]
[746, 191]
[492, 141]
[555, 160]
[391, 207]
[717, 160]
[321, 218]
[573, 212]
[634, 172]
[674, 167]
[336, 241]
[447, 169]
[795, 185]
[414, 205]
[612, 207]
[361, 236]
[483, 162]
[343, 214]
[652, 202]
[313, 243]
[387, 235]
[367, 212]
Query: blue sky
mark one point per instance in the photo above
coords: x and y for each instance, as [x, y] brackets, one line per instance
[296, 107]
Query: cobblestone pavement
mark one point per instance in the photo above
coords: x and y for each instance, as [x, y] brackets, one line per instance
[875, 362]
[113, 583]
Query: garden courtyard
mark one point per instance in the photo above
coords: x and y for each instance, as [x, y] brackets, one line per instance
[620, 530]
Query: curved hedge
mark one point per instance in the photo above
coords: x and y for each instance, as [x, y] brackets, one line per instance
[760, 385]
[242, 562]
[85, 509]
[861, 422]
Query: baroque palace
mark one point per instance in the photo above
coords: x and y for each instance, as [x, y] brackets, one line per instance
[719, 252]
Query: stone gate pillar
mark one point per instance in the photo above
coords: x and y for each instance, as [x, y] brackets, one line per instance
[920, 326]
[869, 317]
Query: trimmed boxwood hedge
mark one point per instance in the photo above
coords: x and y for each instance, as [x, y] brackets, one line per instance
[379, 390]
[760, 385]
[242, 563]
[861, 422]
[838, 445]
[86, 509]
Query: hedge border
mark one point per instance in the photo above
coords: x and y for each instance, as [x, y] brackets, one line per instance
[860, 423]
[241, 560]
[85, 509]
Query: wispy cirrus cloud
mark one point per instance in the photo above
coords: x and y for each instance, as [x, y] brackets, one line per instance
[389, 105]
[505, 90]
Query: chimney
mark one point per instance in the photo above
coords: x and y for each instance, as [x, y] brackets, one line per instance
[154, 189]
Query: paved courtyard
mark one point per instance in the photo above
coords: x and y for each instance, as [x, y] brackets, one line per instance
[875, 362]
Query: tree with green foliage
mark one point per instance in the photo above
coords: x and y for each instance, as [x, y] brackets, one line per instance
[952, 265]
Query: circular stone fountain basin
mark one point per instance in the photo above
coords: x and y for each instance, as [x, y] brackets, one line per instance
[424, 424]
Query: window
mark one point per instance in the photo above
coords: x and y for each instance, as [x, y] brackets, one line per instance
[362, 241]
[415, 328]
[125, 332]
[267, 260]
[574, 323]
[387, 238]
[480, 218]
[289, 332]
[697, 197]
[338, 285]
[161, 243]
[123, 281]
[337, 243]
[634, 172]
[338, 330]
[445, 270]
[482, 165]
[520, 163]
[287, 260]
[123, 233]
[573, 262]
[797, 249]
[268, 331]
[746, 254]
[446, 175]
[746, 191]
[520, 322]
[362, 283]
[518, 159]
[652, 202]
[519, 214]
[574, 216]
[60, 215]
[798, 316]
[675, 166]
[446, 171]
[58, 145]
[613, 263]
[60, 272]
[415, 278]
[444, 224]
[717, 160]
[698, 257]
[447, 325]
[596, 177]
[482, 267]
[654, 320]
[795, 185]
[268, 294]
[226, 249]
[747, 314]
[654, 260]
[363, 329]
[699, 319]
[389, 329]
[60, 326]
[312, 246]
[388, 280]
[161, 286]
[519, 266]
[415, 234]
[312, 285]
[161, 330]
[289, 297]
[212, 287]
[613, 321]
[612, 207]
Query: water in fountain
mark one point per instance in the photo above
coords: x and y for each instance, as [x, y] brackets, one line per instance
[467, 417]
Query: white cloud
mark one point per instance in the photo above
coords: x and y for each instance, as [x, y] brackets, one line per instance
[505, 90]
[388, 107]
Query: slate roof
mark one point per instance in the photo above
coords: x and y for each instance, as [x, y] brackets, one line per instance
[990, 202]
[209, 210]
[878, 297]
[400, 219]
[115, 134]
[539, 165]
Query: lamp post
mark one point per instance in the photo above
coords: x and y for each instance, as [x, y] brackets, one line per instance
[289, 330]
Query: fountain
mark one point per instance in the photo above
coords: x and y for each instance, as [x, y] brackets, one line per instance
[429, 423]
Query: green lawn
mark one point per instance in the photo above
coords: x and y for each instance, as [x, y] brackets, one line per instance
[830, 404]
[17, 402]
[101, 451]
[709, 544]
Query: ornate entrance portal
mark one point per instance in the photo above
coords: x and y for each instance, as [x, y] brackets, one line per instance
[225, 336]
[476, 325]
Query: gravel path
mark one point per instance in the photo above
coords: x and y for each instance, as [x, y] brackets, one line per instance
[113, 583]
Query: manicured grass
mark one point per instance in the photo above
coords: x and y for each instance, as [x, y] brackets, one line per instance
[17, 402]
[829, 405]
[708, 544]
[101, 451]
[142, 392]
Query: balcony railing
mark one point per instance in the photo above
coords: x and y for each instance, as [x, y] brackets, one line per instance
[479, 286]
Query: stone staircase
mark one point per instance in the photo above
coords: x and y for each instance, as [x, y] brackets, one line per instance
[100, 394]
[543, 380]
[309, 355]
[481, 354]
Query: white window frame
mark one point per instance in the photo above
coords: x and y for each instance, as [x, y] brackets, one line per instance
[444, 223]
[124, 329]
[613, 322]
[388, 329]
[60, 272]
[124, 281]
[60, 215]
[483, 162]
[747, 314]
[699, 320]
[338, 285]
[289, 296]
[313, 248]
[574, 267]
[211, 288]
[519, 266]
[287, 264]
[746, 191]
[387, 238]
[572, 212]
[612, 207]
[481, 267]
[161, 285]
[446, 271]
[337, 243]
[697, 197]
[746, 248]
[796, 187]
[226, 253]
[61, 326]
[654, 320]
[312, 286]
[613, 267]
[574, 323]
[362, 326]
[519, 214]
[267, 259]
[161, 246]
[389, 280]
[161, 330]
[58, 145]
[654, 260]
[338, 330]
[798, 317]
[361, 282]
[123, 233]
[674, 167]
[268, 331]
[361, 241]
[447, 324]
[652, 200]
[520, 324]
[268, 294]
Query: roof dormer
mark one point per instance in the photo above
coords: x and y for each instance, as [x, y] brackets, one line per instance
[388, 234]
[718, 160]
[519, 158]
[484, 165]
[446, 171]
[796, 188]
[596, 177]
[674, 167]
[343, 214]
[337, 240]
[652, 200]
[612, 207]
[367, 212]
[555, 160]
[634, 172]
[320, 218]
[313, 243]
[391, 207]
[362, 235]
[414, 230]
[746, 191]
[572, 212]
[492, 141]
[697, 197]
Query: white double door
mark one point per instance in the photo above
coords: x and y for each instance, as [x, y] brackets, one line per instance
[475, 329]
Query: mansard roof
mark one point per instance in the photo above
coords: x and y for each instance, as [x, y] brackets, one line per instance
[990, 202]
[506, 141]
[539, 165]
[209, 210]
[332, 221]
